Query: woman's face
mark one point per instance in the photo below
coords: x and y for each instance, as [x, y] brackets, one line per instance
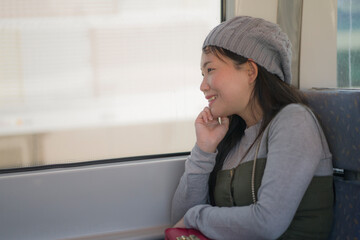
[227, 88]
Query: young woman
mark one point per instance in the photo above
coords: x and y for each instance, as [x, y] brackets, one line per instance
[261, 167]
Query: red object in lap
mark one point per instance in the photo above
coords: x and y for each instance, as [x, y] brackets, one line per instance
[184, 234]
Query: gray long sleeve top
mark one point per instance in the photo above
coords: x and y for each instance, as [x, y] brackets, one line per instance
[297, 151]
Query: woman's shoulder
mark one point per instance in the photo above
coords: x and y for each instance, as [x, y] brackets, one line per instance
[294, 108]
[295, 113]
[300, 121]
[294, 119]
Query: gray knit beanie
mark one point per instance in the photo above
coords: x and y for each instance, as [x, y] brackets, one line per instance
[255, 38]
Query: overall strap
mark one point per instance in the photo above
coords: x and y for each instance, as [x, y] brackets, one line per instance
[253, 171]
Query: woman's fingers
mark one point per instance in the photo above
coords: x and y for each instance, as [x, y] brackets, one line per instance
[209, 130]
[206, 115]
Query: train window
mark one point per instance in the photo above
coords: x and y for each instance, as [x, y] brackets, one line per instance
[89, 80]
[348, 43]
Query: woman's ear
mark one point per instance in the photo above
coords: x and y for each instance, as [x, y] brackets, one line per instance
[253, 70]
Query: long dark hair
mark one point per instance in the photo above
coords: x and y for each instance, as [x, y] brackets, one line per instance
[272, 95]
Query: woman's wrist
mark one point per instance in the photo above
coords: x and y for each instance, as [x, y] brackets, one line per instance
[207, 148]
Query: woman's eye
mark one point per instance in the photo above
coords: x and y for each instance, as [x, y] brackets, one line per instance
[209, 69]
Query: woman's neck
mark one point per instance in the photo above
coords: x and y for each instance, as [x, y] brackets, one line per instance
[253, 115]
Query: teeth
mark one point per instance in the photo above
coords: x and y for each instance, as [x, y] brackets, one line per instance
[212, 98]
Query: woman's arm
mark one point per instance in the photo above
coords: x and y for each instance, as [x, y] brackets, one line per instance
[193, 187]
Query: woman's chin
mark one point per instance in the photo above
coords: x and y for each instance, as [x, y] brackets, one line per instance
[215, 113]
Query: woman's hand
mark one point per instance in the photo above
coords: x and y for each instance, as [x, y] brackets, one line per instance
[209, 132]
[180, 224]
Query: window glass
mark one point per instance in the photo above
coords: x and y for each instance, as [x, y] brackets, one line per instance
[89, 80]
[348, 43]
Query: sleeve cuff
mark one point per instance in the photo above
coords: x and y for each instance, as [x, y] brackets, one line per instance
[200, 162]
[191, 216]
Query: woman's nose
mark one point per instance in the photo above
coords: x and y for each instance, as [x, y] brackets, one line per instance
[204, 86]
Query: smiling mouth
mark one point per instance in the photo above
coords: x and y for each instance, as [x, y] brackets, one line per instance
[212, 98]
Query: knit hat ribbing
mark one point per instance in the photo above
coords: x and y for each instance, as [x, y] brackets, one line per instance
[255, 38]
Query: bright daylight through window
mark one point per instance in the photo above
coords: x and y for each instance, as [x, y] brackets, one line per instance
[100, 79]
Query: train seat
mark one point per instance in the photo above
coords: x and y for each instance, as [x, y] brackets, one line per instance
[339, 114]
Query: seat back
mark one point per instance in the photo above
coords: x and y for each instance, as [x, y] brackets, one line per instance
[339, 114]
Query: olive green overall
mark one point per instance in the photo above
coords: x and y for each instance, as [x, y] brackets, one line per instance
[313, 218]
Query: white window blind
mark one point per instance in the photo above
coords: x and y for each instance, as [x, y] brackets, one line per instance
[89, 80]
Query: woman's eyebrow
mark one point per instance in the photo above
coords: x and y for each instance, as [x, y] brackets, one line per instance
[205, 63]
